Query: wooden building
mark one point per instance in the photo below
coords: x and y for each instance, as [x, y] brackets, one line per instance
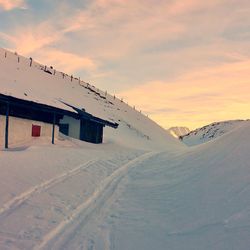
[21, 119]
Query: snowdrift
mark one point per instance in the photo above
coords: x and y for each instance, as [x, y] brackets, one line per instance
[195, 200]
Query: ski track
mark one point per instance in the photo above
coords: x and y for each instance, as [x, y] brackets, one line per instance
[89, 204]
[18, 200]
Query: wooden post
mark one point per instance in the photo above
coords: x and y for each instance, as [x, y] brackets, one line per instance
[53, 128]
[7, 126]
[96, 133]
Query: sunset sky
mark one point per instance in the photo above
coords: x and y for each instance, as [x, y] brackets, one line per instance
[182, 62]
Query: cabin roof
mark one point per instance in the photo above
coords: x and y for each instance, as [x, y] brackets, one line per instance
[45, 85]
[83, 114]
[69, 110]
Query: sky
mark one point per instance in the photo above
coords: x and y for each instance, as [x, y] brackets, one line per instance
[182, 62]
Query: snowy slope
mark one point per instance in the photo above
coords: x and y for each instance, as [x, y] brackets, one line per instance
[178, 131]
[18, 79]
[210, 132]
[198, 199]
[83, 196]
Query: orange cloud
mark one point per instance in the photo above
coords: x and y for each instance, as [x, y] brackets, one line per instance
[12, 4]
[66, 62]
[32, 38]
[37, 42]
[192, 54]
[212, 94]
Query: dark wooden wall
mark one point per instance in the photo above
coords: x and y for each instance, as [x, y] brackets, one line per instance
[91, 131]
[29, 112]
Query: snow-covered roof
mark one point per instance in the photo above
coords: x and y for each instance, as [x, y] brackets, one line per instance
[44, 85]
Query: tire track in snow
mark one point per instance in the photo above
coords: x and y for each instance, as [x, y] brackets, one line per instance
[19, 199]
[90, 201]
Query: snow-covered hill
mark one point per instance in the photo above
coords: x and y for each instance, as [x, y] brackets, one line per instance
[178, 131]
[210, 132]
[26, 79]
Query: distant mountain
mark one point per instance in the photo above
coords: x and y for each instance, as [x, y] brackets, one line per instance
[178, 131]
[210, 132]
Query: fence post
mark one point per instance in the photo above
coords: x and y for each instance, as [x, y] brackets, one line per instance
[53, 128]
[7, 125]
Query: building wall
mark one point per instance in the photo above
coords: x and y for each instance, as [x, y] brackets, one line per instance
[74, 126]
[91, 131]
[20, 130]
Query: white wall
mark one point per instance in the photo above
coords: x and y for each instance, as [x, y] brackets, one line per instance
[74, 126]
[20, 130]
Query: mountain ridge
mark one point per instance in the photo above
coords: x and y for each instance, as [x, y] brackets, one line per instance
[210, 132]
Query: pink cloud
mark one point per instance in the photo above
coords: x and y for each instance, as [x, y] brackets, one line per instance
[37, 42]
[8, 5]
[201, 71]
[65, 61]
[31, 38]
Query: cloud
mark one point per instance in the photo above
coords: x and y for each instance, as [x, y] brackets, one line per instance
[184, 62]
[66, 62]
[38, 42]
[31, 38]
[8, 5]
[214, 93]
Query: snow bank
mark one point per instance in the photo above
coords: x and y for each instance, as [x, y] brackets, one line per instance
[198, 199]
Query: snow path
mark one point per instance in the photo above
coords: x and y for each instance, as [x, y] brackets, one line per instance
[18, 200]
[38, 213]
[82, 210]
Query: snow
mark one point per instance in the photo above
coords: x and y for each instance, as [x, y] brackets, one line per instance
[178, 131]
[140, 189]
[42, 186]
[194, 200]
[210, 132]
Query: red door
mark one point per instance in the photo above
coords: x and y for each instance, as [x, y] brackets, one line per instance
[36, 130]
